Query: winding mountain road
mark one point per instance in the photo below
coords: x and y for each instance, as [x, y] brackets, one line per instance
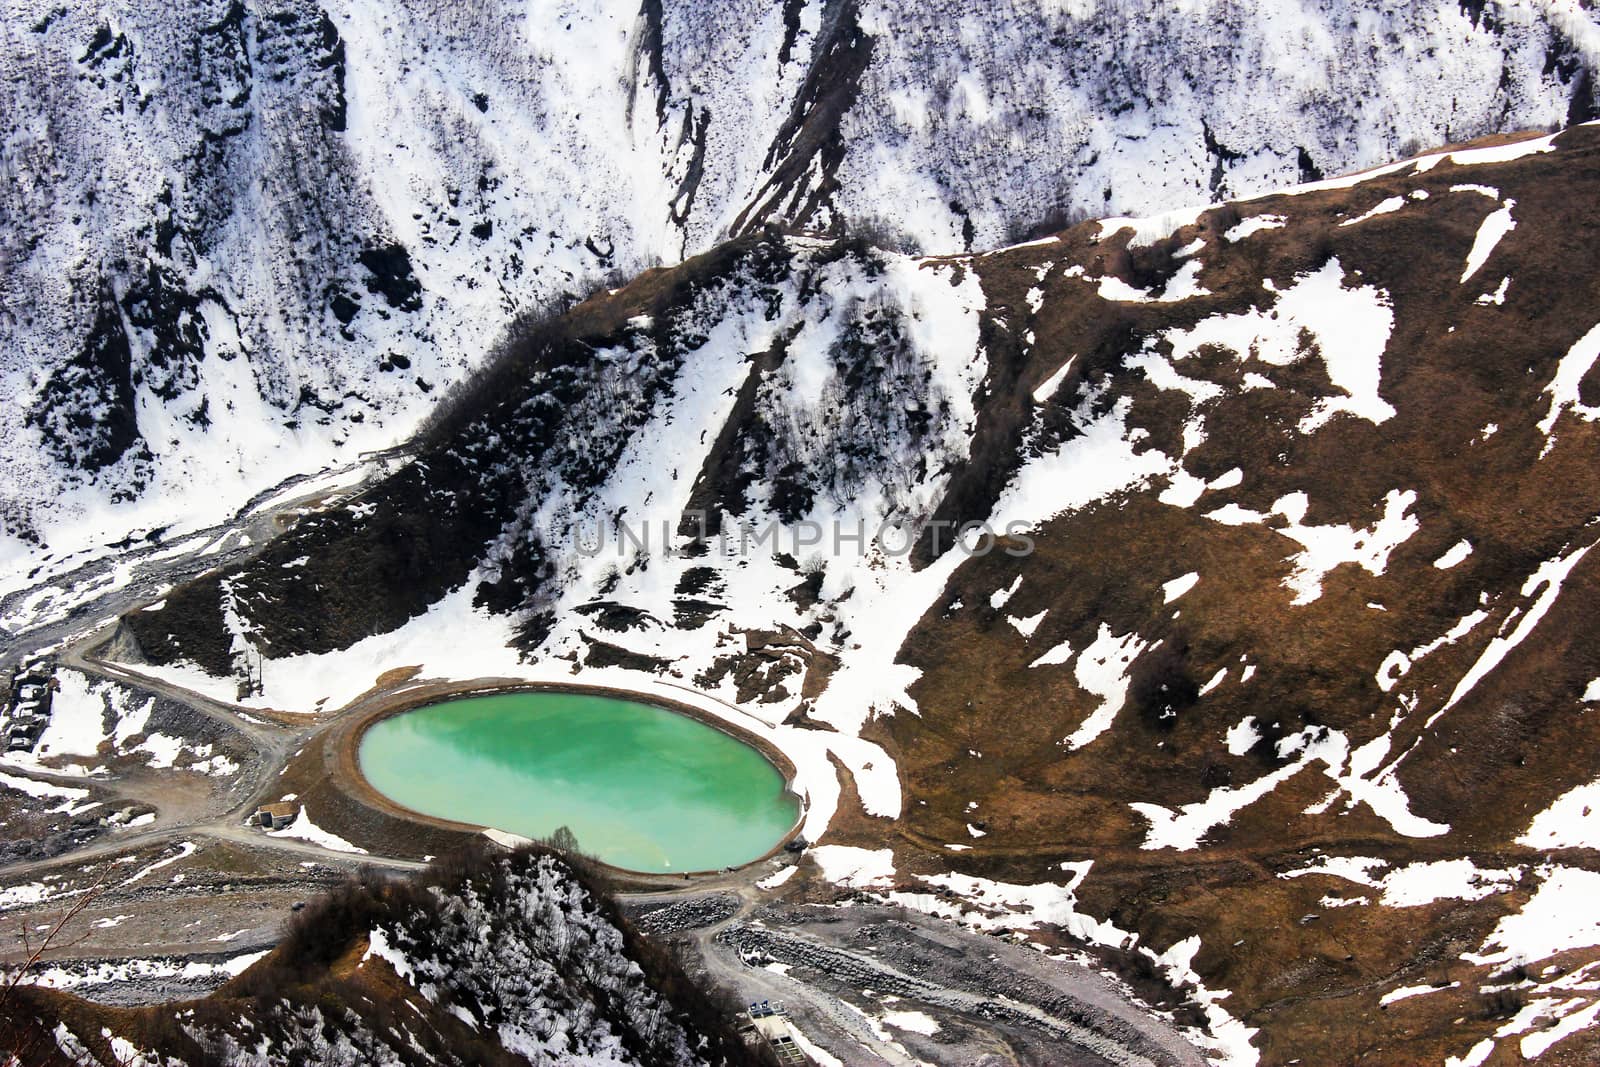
[77, 632]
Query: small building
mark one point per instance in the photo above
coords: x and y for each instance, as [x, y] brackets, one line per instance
[32, 677]
[276, 816]
[24, 732]
[29, 710]
[31, 695]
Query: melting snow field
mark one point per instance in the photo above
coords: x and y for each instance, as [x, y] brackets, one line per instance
[1557, 918]
[1573, 821]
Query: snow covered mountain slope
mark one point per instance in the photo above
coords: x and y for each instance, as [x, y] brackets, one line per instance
[504, 959]
[246, 240]
[1273, 683]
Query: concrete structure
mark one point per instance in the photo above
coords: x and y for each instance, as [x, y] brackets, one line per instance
[771, 1023]
[30, 693]
[24, 733]
[275, 816]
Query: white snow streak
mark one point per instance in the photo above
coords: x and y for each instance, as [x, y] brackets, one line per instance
[1490, 233]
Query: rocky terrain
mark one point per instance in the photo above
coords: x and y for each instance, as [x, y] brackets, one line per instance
[1273, 691]
[905, 986]
[249, 240]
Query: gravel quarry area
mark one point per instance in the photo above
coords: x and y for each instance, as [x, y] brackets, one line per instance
[876, 984]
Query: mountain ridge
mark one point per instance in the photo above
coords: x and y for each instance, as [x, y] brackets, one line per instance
[257, 237]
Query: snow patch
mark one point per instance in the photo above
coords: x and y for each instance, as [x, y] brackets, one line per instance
[378, 945]
[1546, 581]
[1102, 670]
[1457, 553]
[305, 830]
[998, 598]
[1383, 207]
[1327, 547]
[1178, 586]
[1242, 736]
[1047, 388]
[1572, 821]
[915, 1021]
[855, 868]
[773, 881]
[1027, 626]
[1407, 992]
[1253, 225]
[1350, 327]
[1563, 388]
[1559, 916]
[1490, 232]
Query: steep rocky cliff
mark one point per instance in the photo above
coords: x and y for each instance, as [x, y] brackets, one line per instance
[244, 240]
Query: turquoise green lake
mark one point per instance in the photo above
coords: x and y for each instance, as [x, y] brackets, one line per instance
[643, 788]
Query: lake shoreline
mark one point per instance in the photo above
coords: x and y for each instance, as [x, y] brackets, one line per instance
[353, 780]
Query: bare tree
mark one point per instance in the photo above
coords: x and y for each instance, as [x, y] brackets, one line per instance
[25, 1041]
